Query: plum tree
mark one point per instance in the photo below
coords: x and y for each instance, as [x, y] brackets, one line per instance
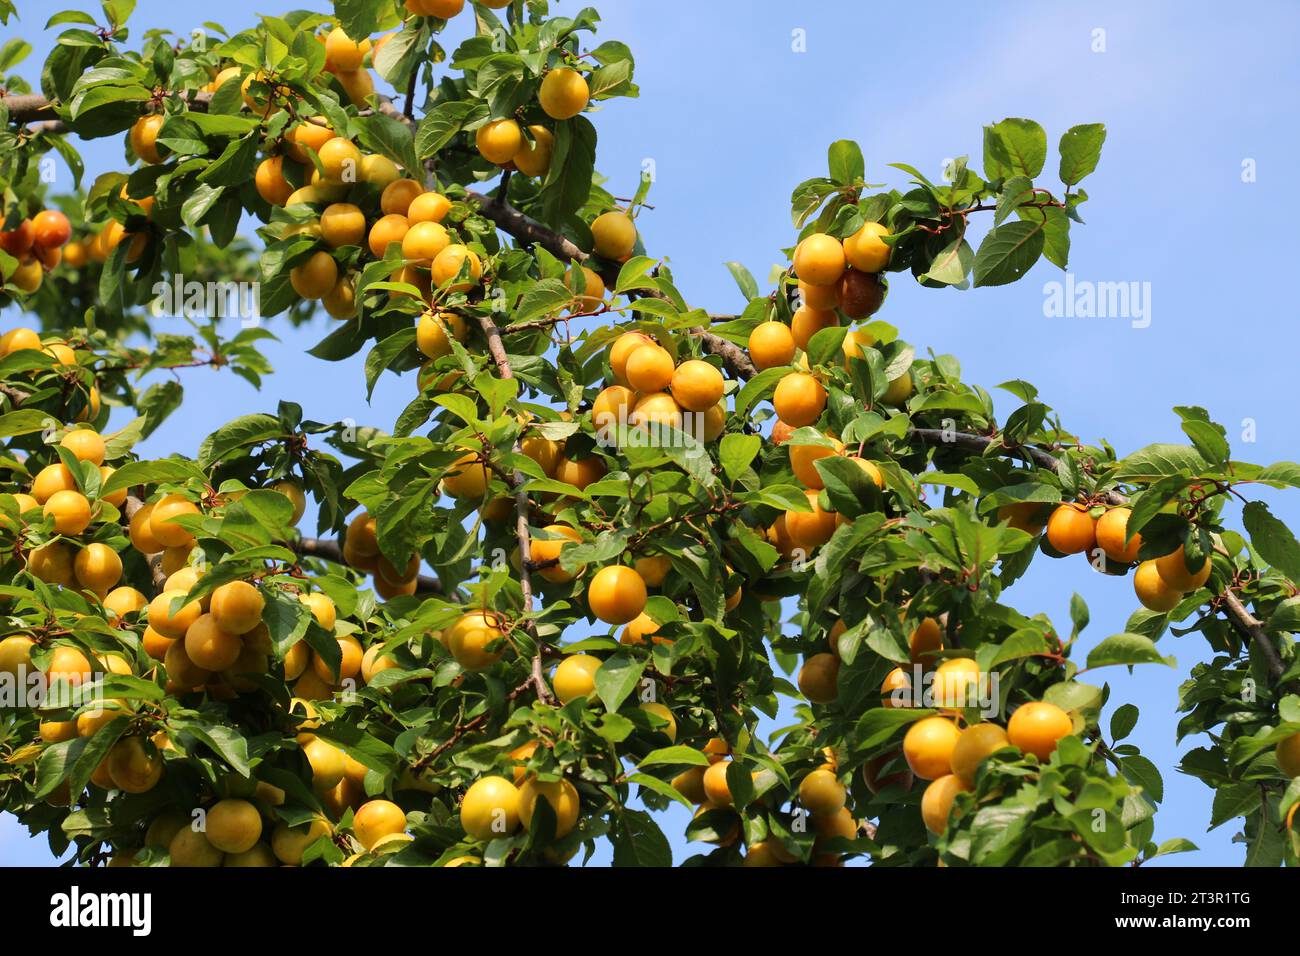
[724, 498]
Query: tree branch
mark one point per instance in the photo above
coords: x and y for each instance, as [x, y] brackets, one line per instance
[516, 481]
[1246, 623]
[330, 550]
[134, 504]
[1253, 629]
[977, 444]
[28, 107]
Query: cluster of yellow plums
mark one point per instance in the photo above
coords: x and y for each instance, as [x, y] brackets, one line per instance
[495, 806]
[652, 390]
[835, 279]
[38, 244]
[1075, 528]
[58, 495]
[361, 551]
[563, 95]
[937, 748]
[239, 831]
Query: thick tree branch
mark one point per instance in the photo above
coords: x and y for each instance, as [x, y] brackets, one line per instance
[15, 395]
[530, 232]
[39, 112]
[134, 504]
[526, 230]
[1253, 629]
[28, 107]
[977, 444]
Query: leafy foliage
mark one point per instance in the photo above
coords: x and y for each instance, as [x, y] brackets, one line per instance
[896, 512]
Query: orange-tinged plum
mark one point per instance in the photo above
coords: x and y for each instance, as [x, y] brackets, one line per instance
[134, 765]
[771, 344]
[819, 259]
[398, 196]
[475, 640]
[696, 385]
[821, 793]
[549, 548]
[819, 678]
[975, 743]
[937, 801]
[807, 322]
[490, 808]
[233, 826]
[1111, 528]
[1173, 569]
[575, 677]
[799, 399]
[622, 350]
[1071, 530]
[616, 594]
[377, 819]
[866, 250]
[499, 140]
[928, 747]
[1037, 727]
[564, 93]
[1152, 590]
[613, 235]
[560, 794]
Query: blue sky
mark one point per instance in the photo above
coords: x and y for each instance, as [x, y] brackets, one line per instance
[733, 117]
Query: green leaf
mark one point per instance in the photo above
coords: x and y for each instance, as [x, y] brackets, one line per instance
[638, 841]
[879, 724]
[736, 452]
[674, 756]
[1123, 721]
[389, 137]
[1176, 845]
[1141, 772]
[240, 433]
[846, 163]
[826, 345]
[164, 470]
[1008, 252]
[1286, 617]
[660, 787]
[849, 487]
[1280, 474]
[573, 162]
[226, 742]
[1127, 648]
[1209, 440]
[1080, 149]
[747, 283]
[807, 199]
[24, 421]
[1234, 800]
[358, 18]
[952, 264]
[1272, 539]
[1159, 461]
[617, 678]
[633, 274]
[1014, 147]
[441, 125]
